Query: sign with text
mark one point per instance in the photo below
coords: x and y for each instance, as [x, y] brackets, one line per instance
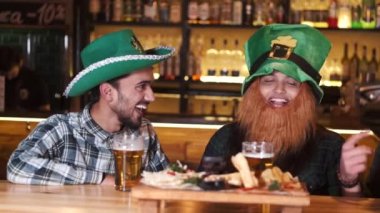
[32, 13]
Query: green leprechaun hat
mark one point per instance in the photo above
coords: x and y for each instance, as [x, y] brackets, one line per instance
[111, 56]
[296, 50]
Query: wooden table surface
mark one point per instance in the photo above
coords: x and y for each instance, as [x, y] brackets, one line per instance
[98, 198]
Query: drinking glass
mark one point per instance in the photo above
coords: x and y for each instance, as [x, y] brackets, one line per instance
[128, 150]
[259, 155]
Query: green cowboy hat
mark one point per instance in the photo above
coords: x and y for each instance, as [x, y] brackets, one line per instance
[296, 50]
[111, 56]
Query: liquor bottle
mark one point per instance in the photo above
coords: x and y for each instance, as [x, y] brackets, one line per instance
[224, 59]
[373, 67]
[214, 12]
[354, 65]
[258, 15]
[355, 15]
[378, 14]
[211, 60]
[107, 10]
[368, 16]
[150, 11]
[2, 93]
[226, 12]
[280, 14]
[94, 8]
[237, 11]
[163, 11]
[346, 75]
[175, 11]
[192, 12]
[138, 12]
[128, 11]
[237, 58]
[117, 10]
[344, 14]
[270, 12]
[363, 66]
[333, 17]
[248, 13]
[204, 12]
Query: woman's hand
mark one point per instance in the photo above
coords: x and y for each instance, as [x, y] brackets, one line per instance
[353, 161]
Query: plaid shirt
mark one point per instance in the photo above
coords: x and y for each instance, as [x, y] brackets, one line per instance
[72, 149]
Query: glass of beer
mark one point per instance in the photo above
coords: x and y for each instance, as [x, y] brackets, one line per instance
[259, 155]
[128, 150]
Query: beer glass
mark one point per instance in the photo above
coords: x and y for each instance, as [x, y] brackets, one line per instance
[259, 155]
[128, 150]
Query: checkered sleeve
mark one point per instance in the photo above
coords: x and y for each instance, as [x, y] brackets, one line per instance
[157, 160]
[38, 159]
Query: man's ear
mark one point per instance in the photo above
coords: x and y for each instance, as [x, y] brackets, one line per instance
[105, 91]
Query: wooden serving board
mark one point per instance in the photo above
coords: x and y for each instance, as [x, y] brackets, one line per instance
[150, 198]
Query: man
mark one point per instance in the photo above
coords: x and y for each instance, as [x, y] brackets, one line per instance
[75, 148]
[279, 102]
[24, 89]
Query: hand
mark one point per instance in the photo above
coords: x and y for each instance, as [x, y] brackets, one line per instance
[353, 160]
[109, 180]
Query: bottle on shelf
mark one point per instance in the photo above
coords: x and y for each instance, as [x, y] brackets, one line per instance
[355, 16]
[225, 59]
[373, 67]
[192, 12]
[248, 13]
[280, 14]
[128, 11]
[378, 14]
[175, 11]
[211, 60]
[2, 92]
[368, 16]
[204, 12]
[258, 15]
[237, 12]
[226, 12]
[333, 17]
[346, 75]
[94, 9]
[107, 5]
[214, 12]
[237, 58]
[354, 65]
[118, 10]
[363, 66]
[163, 8]
[344, 14]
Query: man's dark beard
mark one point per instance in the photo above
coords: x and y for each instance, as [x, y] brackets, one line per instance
[126, 121]
[287, 127]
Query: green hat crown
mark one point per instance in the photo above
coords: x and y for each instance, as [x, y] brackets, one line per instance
[298, 51]
[111, 56]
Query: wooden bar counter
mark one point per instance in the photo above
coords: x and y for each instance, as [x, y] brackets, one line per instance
[101, 198]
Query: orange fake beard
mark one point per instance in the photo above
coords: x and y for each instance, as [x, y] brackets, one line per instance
[287, 127]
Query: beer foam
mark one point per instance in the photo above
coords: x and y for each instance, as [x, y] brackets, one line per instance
[129, 147]
[258, 155]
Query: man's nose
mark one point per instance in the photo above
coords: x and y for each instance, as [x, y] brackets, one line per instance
[149, 95]
[280, 87]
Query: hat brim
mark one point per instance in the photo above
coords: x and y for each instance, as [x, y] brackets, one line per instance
[289, 69]
[114, 67]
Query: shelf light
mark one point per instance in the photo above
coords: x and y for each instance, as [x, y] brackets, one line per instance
[329, 83]
[223, 79]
